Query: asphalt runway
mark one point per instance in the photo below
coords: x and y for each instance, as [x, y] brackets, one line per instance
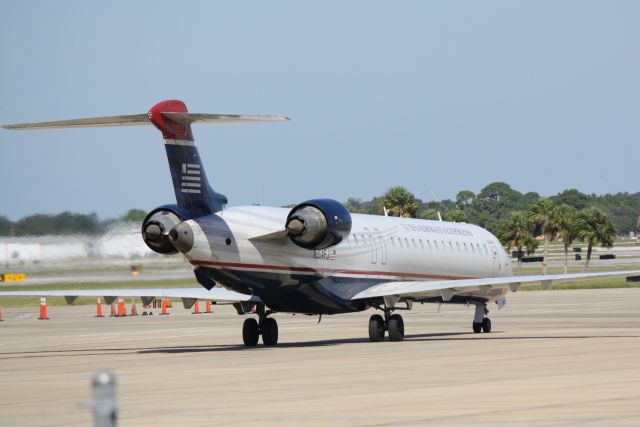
[555, 357]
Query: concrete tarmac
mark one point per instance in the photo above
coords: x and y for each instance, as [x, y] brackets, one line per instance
[554, 357]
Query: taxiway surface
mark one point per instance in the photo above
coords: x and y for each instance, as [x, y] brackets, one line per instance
[555, 357]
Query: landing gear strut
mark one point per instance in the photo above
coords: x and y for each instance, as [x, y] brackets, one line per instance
[391, 322]
[480, 322]
[265, 326]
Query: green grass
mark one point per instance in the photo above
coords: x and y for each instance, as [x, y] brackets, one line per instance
[58, 301]
[604, 283]
[572, 269]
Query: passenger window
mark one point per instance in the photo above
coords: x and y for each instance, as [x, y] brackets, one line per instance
[450, 246]
[414, 243]
[478, 245]
[444, 247]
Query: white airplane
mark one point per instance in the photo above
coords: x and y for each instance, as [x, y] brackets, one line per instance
[314, 259]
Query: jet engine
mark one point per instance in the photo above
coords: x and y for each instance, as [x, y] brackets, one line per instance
[156, 227]
[318, 224]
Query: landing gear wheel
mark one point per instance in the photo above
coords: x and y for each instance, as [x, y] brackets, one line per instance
[376, 328]
[486, 325]
[477, 328]
[270, 331]
[250, 332]
[396, 328]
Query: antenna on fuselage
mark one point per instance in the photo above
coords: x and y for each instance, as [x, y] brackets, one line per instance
[433, 196]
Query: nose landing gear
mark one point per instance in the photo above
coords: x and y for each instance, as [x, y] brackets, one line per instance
[480, 322]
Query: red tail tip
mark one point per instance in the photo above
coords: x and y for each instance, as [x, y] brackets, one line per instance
[169, 128]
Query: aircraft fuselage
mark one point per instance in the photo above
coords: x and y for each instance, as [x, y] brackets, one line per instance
[379, 249]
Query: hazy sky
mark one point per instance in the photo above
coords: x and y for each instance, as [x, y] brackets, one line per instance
[435, 96]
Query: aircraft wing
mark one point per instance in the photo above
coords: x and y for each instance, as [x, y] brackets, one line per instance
[216, 294]
[447, 289]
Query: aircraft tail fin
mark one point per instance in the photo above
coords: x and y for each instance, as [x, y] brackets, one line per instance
[192, 190]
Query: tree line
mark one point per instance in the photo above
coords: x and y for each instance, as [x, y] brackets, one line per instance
[497, 201]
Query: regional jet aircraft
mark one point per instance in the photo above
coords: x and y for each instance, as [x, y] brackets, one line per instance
[316, 258]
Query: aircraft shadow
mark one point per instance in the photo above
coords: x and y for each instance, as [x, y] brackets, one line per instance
[453, 336]
[450, 336]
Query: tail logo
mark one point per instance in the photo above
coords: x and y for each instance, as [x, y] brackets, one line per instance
[191, 182]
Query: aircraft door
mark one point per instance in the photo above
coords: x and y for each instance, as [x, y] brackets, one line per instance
[378, 249]
[383, 250]
[373, 242]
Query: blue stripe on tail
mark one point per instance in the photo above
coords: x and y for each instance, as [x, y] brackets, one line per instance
[193, 192]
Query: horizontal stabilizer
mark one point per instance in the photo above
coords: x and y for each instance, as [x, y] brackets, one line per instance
[143, 119]
[131, 120]
[188, 118]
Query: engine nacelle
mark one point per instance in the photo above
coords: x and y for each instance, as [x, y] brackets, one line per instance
[318, 224]
[156, 227]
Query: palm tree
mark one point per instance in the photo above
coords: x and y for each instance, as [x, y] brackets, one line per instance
[564, 221]
[515, 232]
[596, 228]
[540, 219]
[399, 202]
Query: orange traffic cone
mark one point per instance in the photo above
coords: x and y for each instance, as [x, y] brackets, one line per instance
[208, 309]
[196, 308]
[113, 310]
[43, 309]
[134, 310]
[122, 311]
[99, 308]
[164, 307]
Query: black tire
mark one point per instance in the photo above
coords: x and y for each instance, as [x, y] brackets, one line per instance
[477, 328]
[396, 328]
[376, 328]
[486, 325]
[270, 331]
[250, 332]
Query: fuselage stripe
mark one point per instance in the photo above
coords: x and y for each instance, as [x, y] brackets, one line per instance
[323, 270]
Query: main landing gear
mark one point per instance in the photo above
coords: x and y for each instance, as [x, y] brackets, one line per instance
[265, 326]
[480, 322]
[391, 322]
